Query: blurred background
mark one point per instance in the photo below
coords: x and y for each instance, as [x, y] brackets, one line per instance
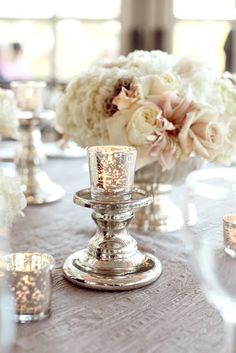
[53, 40]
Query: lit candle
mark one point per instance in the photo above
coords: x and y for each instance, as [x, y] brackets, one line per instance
[111, 171]
[229, 222]
[30, 282]
[29, 95]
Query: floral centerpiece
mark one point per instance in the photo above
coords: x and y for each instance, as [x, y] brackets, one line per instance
[167, 107]
[175, 111]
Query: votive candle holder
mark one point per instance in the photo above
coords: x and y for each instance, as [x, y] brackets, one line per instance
[29, 95]
[112, 171]
[229, 225]
[30, 281]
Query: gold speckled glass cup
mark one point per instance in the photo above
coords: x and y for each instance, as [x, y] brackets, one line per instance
[112, 171]
[30, 282]
[229, 222]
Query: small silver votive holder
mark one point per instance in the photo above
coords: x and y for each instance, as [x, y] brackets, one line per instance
[30, 282]
[229, 224]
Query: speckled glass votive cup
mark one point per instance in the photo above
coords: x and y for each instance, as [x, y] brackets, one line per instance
[229, 223]
[112, 171]
[30, 282]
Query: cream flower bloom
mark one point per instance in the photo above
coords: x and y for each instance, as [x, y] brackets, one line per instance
[142, 125]
[229, 148]
[8, 118]
[12, 200]
[134, 127]
[153, 85]
[227, 92]
[204, 133]
[80, 112]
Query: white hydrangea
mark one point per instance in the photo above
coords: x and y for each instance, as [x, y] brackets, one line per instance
[12, 199]
[8, 118]
[227, 92]
[80, 113]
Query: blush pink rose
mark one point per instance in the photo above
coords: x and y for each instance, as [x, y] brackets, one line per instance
[204, 133]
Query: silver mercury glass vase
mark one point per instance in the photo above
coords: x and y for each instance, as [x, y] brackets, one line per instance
[163, 215]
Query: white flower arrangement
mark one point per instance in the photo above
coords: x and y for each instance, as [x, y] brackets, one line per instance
[167, 107]
[12, 199]
[8, 115]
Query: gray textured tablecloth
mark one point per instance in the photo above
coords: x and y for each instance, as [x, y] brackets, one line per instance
[169, 316]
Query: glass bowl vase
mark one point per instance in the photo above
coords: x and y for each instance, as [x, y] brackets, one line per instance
[163, 215]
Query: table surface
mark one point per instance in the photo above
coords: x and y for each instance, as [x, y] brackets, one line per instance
[169, 316]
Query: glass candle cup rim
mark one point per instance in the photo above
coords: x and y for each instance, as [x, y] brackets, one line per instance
[230, 218]
[28, 84]
[110, 149]
[45, 267]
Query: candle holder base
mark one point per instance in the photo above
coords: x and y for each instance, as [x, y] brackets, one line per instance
[78, 273]
[112, 260]
[41, 190]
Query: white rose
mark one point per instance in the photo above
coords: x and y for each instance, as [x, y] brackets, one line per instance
[134, 127]
[204, 133]
[142, 125]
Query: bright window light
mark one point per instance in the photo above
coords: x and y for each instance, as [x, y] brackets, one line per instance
[205, 9]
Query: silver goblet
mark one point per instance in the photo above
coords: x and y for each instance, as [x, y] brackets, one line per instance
[211, 194]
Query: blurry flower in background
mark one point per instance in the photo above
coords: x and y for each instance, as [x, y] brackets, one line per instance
[12, 199]
[8, 118]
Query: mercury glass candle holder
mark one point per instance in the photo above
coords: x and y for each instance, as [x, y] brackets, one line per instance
[112, 171]
[29, 95]
[229, 223]
[31, 284]
[30, 156]
[112, 260]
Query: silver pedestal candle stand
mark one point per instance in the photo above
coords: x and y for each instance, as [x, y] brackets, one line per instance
[30, 158]
[112, 260]
[30, 155]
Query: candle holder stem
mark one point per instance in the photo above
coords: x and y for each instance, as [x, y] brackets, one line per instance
[30, 159]
[112, 260]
